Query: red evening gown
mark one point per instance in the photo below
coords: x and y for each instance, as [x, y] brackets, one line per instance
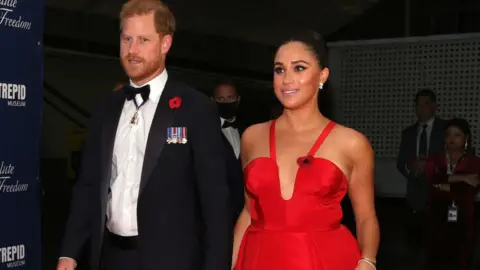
[303, 233]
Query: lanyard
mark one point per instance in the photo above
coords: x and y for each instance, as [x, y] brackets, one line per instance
[134, 117]
[450, 167]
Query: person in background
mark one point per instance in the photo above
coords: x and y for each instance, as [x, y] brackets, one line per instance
[152, 192]
[228, 100]
[226, 96]
[419, 140]
[298, 168]
[453, 177]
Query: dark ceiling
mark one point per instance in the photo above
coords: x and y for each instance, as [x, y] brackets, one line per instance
[240, 37]
[257, 21]
[217, 35]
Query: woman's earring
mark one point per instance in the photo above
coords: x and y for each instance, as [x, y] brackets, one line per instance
[466, 145]
[321, 86]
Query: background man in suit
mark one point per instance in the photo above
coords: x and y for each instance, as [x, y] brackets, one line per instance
[227, 98]
[144, 203]
[419, 140]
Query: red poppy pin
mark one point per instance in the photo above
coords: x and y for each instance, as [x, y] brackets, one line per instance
[175, 103]
[304, 161]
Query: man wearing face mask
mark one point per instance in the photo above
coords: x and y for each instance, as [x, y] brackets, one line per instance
[226, 96]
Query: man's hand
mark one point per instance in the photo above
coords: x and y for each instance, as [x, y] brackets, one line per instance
[412, 166]
[66, 264]
[421, 164]
[443, 187]
[417, 166]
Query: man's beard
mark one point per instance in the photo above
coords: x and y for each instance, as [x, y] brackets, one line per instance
[141, 71]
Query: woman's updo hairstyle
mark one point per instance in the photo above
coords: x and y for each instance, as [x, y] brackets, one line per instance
[313, 42]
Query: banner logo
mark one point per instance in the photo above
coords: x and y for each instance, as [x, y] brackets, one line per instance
[14, 94]
[7, 184]
[13, 256]
[8, 18]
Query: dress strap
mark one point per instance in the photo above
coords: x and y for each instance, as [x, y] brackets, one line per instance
[321, 138]
[273, 147]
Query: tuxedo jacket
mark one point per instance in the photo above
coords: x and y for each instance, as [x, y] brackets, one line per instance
[183, 203]
[417, 189]
[235, 177]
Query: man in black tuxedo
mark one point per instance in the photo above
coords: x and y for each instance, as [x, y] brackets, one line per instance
[227, 98]
[419, 140]
[152, 192]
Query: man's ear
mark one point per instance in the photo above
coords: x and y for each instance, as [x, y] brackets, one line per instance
[166, 43]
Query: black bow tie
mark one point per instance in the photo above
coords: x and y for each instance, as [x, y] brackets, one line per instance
[227, 124]
[131, 92]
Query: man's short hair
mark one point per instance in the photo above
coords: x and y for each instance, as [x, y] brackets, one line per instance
[426, 93]
[164, 19]
[224, 81]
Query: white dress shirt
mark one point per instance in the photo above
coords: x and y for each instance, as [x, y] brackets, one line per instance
[233, 137]
[429, 124]
[128, 155]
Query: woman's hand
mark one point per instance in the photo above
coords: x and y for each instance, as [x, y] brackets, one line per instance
[442, 187]
[472, 179]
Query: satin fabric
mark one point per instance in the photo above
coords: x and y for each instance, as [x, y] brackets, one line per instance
[303, 233]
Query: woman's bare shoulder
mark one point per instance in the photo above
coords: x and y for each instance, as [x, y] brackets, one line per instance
[352, 142]
[350, 136]
[254, 136]
[254, 132]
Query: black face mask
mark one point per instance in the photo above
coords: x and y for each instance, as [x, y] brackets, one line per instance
[227, 110]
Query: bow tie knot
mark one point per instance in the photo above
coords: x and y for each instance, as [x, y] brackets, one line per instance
[131, 92]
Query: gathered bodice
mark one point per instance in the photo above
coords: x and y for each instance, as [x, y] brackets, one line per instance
[319, 187]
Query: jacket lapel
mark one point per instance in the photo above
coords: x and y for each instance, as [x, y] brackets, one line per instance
[413, 133]
[108, 138]
[158, 133]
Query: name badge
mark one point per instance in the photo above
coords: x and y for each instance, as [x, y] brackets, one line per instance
[452, 213]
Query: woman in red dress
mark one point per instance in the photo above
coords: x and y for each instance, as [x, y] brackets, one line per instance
[297, 170]
[453, 177]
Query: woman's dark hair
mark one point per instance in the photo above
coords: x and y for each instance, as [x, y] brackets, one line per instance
[463, 126]
[315, 43]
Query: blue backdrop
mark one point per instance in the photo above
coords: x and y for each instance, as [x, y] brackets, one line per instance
[21, 84]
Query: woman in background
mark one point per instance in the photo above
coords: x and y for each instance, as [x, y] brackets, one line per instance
[453, 177]
[297, 169]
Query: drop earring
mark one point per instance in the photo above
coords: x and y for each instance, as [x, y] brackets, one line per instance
[320, 86]
[466, 145]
